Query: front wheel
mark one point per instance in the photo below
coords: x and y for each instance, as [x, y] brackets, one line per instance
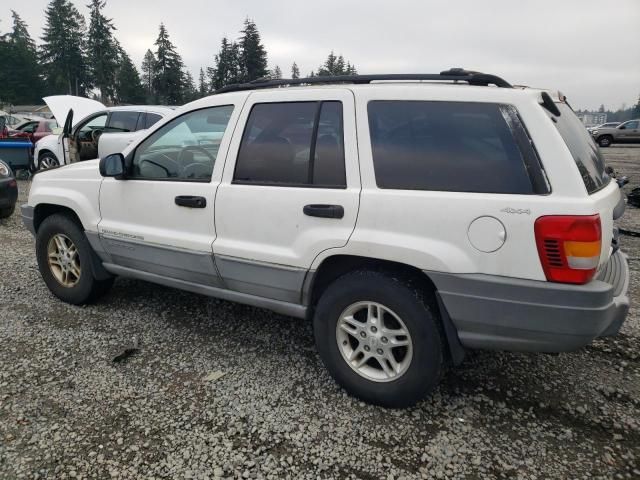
[65, 261]
[47, 160]
[378, 336]
[605, 141]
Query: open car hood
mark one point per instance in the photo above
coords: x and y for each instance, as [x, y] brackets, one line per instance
[82, 107]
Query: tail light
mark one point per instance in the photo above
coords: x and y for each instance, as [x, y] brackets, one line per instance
[569, 247]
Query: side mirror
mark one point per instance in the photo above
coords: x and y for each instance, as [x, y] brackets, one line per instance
[112, 166]
[622, 127]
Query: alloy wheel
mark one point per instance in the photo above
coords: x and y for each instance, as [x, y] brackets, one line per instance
[374, 341]
[64, 261]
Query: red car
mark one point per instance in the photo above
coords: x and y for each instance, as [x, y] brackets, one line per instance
[34, 130]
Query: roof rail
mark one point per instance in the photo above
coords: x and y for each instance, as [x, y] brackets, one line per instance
[453, 74]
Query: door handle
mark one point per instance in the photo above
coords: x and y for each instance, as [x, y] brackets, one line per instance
[191, 201]
[324, 211]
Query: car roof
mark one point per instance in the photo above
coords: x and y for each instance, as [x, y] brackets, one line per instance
[163, 110]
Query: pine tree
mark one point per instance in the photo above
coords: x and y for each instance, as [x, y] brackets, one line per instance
[276, 73]
[148, 73]
[102, 51]
[189, 92]
[253, 59]
[20, 35]
[62, 51]
[203, 88]
[636, 109]
[227, 68]
[336, 66]
[21, 83]
[168, 80]
[295, 71]
[128, 88]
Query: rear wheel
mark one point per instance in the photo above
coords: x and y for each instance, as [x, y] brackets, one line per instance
[47, 160]
[379, 338]
[605, 140]
[65, 261]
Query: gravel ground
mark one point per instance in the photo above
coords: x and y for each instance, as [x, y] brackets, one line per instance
[214, 389]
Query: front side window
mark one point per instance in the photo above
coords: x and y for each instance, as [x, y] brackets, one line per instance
[93, 127]
[123, 122]
[293, 144]
[449, 147]
[183, 149]
[631, 125]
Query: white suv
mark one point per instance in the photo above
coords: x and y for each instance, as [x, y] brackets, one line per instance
[410, 216]
[91, 129]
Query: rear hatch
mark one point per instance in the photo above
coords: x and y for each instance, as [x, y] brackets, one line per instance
[604, 194]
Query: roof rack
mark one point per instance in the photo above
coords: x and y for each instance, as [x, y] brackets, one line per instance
[453, 74]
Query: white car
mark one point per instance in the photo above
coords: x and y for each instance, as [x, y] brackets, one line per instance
[410, 216]
[86, 126]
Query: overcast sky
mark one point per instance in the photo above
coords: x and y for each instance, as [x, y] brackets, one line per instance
[588, 49]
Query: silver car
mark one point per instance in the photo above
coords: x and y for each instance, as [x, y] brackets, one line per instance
[627, 132]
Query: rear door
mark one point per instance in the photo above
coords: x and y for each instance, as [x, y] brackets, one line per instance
[290, 189]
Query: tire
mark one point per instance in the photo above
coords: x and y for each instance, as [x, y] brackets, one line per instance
[47, 160]
[7, 212]
[78, 286]
[419, 365]
[605, 141]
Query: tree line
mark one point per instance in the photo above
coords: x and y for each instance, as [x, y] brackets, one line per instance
[87, 60]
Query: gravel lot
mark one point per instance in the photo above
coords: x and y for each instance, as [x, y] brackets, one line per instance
[217, 389]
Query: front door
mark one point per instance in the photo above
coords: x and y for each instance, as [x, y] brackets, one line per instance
[631, 131]
[290, 189]
[159, 220]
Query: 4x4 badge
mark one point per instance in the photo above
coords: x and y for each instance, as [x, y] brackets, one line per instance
[516, 210]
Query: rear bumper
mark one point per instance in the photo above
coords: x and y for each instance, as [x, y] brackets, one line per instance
[500, 313]
[8, 192]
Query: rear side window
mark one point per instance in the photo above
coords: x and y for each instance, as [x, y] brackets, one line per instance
[452, 147]
[583, 149]
[293, 144]
[123, 121]
[151, 120]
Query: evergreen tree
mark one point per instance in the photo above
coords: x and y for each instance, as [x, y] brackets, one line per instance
[190, 92]
[62, 52]
[295, 71]
[102, 51]
[276, 73]
[20, 36]
[148, 73]
[203, 88]
[168, 81]
[636, 109]
[253, 58]
[227, 68]
[21, 83]
[128, 88]
[336, 66]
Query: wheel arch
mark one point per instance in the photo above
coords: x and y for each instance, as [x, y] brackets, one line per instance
[44, 210]
[335, 266]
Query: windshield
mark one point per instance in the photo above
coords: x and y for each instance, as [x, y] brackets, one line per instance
[583, 149]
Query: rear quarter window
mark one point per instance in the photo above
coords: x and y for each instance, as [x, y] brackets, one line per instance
[452, 147]
[582, 147]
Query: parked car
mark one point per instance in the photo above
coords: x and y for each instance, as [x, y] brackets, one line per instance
[35, 130]
[8, 191]
[86, 121]
[603, 125]
[409, 220]
[627, 132]
[13, 120]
